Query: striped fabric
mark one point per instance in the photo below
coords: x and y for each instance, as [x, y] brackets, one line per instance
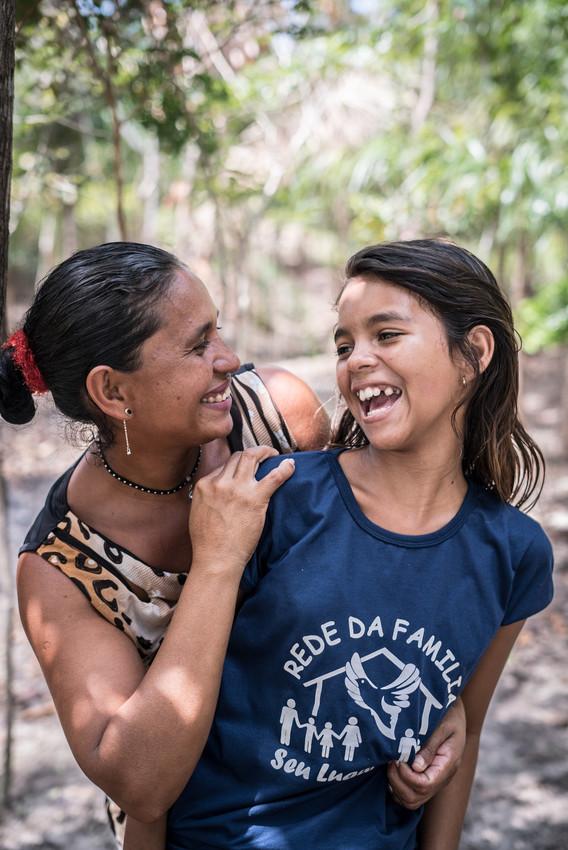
[257, 421]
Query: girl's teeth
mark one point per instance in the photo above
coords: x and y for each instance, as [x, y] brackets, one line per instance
[375, 392]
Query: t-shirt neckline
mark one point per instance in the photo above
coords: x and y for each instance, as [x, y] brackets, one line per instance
[406, 540]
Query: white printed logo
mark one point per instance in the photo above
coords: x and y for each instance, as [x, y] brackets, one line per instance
[380, 684]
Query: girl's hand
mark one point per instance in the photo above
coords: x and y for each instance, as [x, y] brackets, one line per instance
[228, 510]
[413, 785]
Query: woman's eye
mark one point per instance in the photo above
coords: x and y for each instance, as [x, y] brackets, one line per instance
[384, 336]
[200, 347]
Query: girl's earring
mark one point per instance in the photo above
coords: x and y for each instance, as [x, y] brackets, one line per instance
[464, 381]
[128, 412]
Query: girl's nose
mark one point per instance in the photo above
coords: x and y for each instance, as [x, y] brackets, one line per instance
[361, 358]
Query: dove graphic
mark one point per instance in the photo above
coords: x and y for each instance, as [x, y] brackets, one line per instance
[360, 688]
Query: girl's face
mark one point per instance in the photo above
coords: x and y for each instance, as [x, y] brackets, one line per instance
[180, 393]
[394, 367]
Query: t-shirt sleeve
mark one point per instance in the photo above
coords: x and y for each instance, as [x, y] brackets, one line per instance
[532, 586]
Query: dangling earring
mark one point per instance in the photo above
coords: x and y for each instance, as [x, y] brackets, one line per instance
[128, 412]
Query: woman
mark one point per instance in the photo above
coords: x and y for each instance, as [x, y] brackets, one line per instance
[399, 572]
[126, 340]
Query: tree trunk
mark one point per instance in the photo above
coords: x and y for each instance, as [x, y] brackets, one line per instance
[7, 39]
[46, 243]
[7, 51]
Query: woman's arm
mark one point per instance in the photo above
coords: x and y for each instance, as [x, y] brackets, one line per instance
[443, 818]
[145, 836]
[137, 736]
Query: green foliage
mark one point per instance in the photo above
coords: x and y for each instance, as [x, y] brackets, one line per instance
[543, 319]
[334, 124]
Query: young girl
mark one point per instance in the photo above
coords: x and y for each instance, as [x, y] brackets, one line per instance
[397, 571]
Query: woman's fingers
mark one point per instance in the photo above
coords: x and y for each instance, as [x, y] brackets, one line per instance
[246, 461]
[249, 460]
[276, 477]
[229, 507]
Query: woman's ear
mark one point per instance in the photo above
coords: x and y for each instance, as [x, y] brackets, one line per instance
[481, 340]
[105, 391]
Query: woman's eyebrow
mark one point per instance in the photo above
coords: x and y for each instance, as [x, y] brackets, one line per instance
[375, 319]
[198, 333]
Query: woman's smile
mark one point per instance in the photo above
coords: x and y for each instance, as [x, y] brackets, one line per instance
[219, 398]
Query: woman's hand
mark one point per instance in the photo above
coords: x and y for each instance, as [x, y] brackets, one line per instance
[228, 509]
[435, 764]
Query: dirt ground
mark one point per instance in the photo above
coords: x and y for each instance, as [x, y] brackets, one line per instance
[520, 799]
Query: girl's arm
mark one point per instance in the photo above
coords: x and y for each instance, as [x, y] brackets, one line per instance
[443, 818]
[136, 736]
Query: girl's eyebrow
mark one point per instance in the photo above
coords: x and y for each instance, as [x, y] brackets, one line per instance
[377, 318]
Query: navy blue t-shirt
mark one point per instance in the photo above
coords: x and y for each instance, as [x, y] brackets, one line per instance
[351, 644]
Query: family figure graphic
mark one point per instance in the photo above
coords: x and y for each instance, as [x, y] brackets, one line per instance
[350, 735]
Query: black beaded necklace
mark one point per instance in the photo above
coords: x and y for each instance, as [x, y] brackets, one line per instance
[153, 491]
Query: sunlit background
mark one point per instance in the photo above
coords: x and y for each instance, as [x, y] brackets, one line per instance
[264, 141]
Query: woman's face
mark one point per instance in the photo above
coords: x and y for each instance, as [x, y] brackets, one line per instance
[180, 394]
[394, 367]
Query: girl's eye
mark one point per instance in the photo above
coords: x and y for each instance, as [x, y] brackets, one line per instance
[343, 350]
[384, 336]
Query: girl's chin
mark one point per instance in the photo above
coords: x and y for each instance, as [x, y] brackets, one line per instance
[381, 440]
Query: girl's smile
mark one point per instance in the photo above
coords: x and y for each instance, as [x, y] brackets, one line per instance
[377, 400]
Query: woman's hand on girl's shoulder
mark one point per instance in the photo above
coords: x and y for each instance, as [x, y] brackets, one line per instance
[229, 507]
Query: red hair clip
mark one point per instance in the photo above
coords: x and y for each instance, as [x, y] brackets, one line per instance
[25, 361]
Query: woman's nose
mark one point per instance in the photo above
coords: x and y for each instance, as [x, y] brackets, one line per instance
[226, 359]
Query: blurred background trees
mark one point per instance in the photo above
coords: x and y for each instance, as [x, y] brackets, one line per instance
[264, 140]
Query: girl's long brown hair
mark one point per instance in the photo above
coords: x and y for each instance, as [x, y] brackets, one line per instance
[462, 292]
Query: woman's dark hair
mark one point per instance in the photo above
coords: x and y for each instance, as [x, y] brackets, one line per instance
[99, 306]
[462, 292]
